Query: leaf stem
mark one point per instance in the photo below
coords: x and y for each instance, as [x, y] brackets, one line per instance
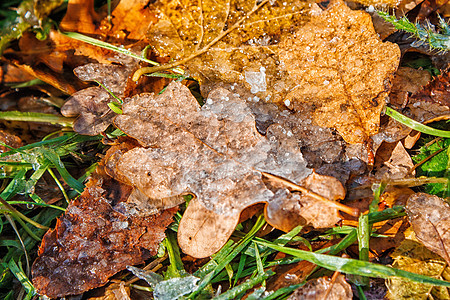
[347, 209]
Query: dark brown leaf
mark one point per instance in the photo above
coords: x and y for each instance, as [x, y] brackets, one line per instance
[93, 241]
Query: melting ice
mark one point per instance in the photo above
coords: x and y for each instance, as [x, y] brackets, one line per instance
[257, 80]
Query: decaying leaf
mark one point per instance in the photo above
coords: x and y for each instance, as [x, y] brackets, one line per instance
[226, 42]
[324, 288]
[341, 70]
[414, 257]
[93, 241]
[430, 219]
[407, 81]
[215, 153]
[393, 162]
[437, 91]
[115, 291]
[91, 104]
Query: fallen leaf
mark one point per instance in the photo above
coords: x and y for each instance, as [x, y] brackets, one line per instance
[10, 140]
[341, 69]
[91, 104]
[437, 91]
[115, 291]
[393, 162]
[324, 288]
[413, 257]
[405, 82]
[430, 218]
[222, 166]
[223, 42]
[80, 17]
[93, 241]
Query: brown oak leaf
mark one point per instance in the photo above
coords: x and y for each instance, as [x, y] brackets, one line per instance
[215, 153]
[91, 104]
[93, 241]
[341, 69]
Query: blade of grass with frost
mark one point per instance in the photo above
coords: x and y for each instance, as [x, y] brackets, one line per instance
[356, 267]
[414, 124]
[36, 117]
[282, 292]
[98, 43]
[424, 33]
[245, 286]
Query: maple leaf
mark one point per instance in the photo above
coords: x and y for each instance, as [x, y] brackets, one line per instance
[93, 241]
[340, 68]
[215, 153]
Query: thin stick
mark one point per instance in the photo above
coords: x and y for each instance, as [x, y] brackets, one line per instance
[347, 209]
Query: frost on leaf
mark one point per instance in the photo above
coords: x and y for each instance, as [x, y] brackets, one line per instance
[430, 218]
[91, 104]
[93, 241]
[227, 41]
[341, 70]
[215, 153]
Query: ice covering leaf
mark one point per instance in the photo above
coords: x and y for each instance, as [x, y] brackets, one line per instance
[430, 219]
[341, 69]
[215, 153]
[93, 241]
[324, 288]
[91, 104]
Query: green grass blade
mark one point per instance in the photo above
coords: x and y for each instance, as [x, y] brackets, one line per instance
[234, 292]
[56, 161]
[36, 117]
[363, 245]
[414, 124]
[102, 44]
[20, 275]
[354, 266]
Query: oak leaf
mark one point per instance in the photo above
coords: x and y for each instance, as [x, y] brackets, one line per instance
[341, 69]
[91, 104]
[93, 241]
[215, 153]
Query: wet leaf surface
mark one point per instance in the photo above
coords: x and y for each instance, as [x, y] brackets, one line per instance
[223, 166]
[91, 104]
[430, 218]
[93, 241]
[332, 61]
